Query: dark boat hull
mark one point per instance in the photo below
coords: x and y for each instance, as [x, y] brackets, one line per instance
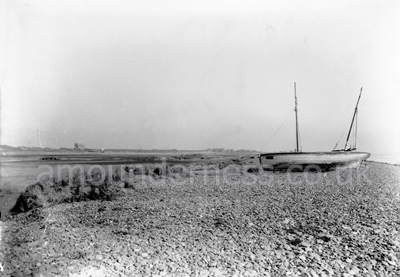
[312, 161]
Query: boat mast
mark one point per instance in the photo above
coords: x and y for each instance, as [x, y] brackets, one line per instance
[352, 121]
[297, 123]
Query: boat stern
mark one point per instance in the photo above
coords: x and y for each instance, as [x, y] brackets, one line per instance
[357, 161]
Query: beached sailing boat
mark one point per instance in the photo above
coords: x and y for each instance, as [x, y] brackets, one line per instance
[316, 161]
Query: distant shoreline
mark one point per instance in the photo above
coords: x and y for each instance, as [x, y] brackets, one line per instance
[11, 151]
[387, 163]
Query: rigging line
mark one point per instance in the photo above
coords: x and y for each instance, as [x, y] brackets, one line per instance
[352, 142]
[344, 130]
[298, 131]
[38, 104]
[277, 130]
[355, 131]
[300, 148]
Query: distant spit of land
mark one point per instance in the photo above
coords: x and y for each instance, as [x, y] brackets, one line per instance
[7, 150]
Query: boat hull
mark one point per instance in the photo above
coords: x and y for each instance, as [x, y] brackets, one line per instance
[312, 161]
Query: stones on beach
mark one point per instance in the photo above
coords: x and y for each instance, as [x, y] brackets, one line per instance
[212, 229]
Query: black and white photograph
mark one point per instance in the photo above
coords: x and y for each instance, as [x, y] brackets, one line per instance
[199, 138]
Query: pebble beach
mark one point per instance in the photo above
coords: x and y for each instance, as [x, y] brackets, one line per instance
[339, 223]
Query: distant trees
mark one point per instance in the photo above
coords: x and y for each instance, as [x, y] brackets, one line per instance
[79, 145]
[218, 150]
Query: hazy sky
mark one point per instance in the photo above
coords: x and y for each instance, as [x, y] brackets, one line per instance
[199, 74]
